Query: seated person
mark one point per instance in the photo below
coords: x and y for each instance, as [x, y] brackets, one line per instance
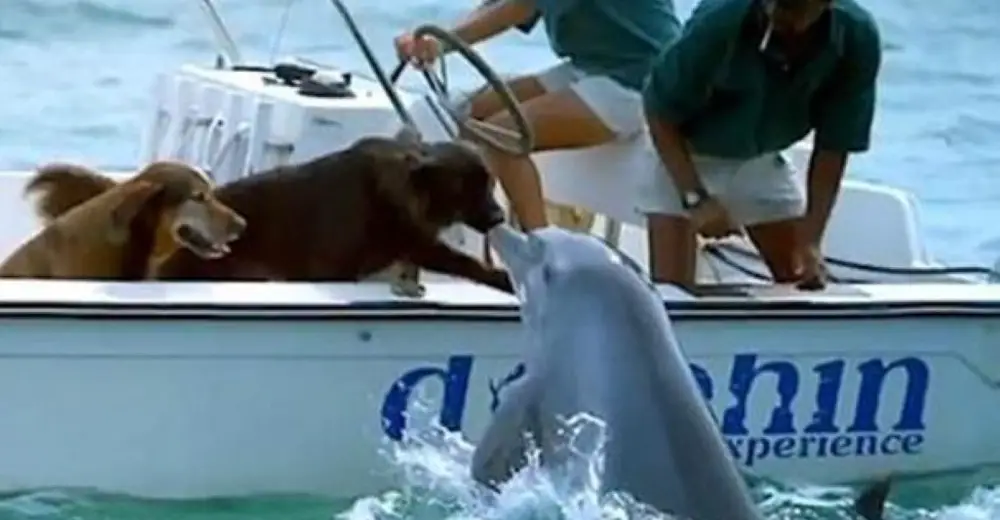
[591, 98]
[745, 80]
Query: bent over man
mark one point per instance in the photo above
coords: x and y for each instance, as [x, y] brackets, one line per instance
[745, 80]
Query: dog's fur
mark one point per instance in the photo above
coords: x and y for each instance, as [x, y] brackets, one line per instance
[377, 205]
[95, 228]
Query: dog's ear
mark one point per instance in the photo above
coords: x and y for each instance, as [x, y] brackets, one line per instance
[133, 197]
[431, 174]
[418, 156]
[408, 136]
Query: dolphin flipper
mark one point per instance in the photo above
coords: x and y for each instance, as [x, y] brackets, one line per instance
[503, 448]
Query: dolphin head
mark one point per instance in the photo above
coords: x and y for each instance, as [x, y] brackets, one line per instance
[554, 260]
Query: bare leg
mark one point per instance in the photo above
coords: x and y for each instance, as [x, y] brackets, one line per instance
[776, 242]
[672, 250]
[485, 103]
[559, 120]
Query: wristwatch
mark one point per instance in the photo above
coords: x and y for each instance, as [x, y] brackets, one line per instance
[692, 198]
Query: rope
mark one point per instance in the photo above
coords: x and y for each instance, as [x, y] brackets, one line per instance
[718, 251]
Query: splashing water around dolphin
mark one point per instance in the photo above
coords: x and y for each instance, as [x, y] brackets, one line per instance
[598, 342]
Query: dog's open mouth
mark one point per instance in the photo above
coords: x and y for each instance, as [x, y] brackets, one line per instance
[192, 239]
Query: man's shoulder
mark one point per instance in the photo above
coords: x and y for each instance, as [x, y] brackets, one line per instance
[858, 22]
[719, 15]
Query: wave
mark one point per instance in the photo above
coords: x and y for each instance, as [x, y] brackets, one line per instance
[25, 19]
[12, 34]
[97, 12]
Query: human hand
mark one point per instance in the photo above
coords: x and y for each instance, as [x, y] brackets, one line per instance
[420, 51]
[812, 270]
[711, 219]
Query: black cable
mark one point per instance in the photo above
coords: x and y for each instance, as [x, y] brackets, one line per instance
[717, 251]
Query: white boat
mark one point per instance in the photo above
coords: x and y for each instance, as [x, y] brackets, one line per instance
[207, 389]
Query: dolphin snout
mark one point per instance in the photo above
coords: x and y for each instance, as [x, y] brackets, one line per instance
[514, 249]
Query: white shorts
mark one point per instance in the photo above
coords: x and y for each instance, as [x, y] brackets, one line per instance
[617, 106]
[754, 191]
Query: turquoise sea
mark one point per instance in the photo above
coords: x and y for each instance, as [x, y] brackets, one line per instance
[75, 84]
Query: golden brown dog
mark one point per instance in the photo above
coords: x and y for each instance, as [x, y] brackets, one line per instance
[96, 228]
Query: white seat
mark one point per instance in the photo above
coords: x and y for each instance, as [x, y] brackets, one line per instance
[603, 179]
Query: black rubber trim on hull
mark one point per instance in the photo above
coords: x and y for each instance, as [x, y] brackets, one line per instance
[430, 311]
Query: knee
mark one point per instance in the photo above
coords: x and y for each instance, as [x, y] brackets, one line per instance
[482, 105]
[500, 118]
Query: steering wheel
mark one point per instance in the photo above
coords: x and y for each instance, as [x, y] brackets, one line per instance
[520, 142]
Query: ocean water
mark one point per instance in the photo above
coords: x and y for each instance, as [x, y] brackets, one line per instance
[76, 82]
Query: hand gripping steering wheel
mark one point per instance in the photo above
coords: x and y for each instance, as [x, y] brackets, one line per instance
[520, 142]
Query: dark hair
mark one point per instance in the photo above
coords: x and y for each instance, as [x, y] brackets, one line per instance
[793, 5]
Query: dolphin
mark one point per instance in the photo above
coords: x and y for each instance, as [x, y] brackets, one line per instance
[598, 342]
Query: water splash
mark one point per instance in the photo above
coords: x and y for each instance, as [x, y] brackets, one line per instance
[432, 469]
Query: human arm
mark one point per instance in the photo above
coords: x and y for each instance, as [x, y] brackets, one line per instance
[524, 27]
[678, 87]
[487, 20]
[493, 18]
[845, 112]
[674, 153]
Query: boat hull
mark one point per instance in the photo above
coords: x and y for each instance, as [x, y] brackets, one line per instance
[171, 399]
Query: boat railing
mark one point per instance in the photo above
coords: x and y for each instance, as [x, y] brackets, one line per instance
[228, 53]
[377, 70]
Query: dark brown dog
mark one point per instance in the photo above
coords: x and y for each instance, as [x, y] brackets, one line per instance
[353, 213]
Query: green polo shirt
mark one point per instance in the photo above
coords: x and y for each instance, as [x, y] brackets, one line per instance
[616, 38]
[729, 101]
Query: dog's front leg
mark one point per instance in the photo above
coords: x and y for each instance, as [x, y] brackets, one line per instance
[404, 280]
[439, 257]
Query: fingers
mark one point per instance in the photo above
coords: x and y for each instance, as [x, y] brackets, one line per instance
[719, 227]
[716, 229]
[404, 46]
[812, 272]
[421, 52]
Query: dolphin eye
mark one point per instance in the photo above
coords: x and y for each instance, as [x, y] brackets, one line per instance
[547, 273]
[629, 262]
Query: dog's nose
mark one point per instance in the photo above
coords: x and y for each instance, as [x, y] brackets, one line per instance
[236, 226]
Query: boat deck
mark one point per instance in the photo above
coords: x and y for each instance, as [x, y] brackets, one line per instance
[463, 300]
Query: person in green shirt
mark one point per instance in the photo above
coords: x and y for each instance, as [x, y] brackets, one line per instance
[744, 81]
[590, 98]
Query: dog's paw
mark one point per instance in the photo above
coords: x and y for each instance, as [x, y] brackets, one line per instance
[408, 288]
[500, 279]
